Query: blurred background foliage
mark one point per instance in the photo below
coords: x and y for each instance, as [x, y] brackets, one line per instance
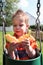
[9, 8]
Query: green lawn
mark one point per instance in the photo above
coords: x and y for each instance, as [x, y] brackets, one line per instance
[1, 47]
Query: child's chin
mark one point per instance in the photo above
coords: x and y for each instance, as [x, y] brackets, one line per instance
[19, 34]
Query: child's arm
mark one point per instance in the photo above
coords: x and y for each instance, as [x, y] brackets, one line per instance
[31, 47]
[30, 51]
[9, 51]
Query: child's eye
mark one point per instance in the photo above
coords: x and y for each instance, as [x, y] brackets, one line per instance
[14, 25]
[21, 25]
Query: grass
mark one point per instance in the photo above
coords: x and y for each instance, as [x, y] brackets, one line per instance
[1, 47]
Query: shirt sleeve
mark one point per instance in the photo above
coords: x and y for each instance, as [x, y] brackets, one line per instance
[33, 42]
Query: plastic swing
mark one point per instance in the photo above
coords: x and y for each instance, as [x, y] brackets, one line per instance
[9, 61]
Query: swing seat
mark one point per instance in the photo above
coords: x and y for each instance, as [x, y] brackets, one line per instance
[9, 61]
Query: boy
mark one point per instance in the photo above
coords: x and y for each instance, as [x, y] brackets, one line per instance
[26, 49]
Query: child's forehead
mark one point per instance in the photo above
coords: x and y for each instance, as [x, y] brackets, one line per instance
[19, 21]
[19, 17]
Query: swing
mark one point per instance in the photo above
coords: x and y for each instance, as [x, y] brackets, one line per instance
[9, 61]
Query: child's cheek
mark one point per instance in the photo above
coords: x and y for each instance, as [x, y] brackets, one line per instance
[24, 29]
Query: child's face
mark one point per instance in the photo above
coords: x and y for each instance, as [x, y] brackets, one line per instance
[19, 26]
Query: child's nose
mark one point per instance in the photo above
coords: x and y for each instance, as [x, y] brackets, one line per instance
[18, 27]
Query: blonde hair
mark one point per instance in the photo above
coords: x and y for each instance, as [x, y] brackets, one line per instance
[21, 13]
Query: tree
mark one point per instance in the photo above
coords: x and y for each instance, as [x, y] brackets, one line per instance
[10, 7]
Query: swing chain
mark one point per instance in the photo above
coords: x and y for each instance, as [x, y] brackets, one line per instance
[2, 16]
[38, 8]
[38, 23]
[38, 14]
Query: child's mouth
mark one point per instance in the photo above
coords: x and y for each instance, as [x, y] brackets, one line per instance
[19, 32]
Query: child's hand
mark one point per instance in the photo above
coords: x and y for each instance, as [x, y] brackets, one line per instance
[12, 47]
[24, 44]
[29, 50]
